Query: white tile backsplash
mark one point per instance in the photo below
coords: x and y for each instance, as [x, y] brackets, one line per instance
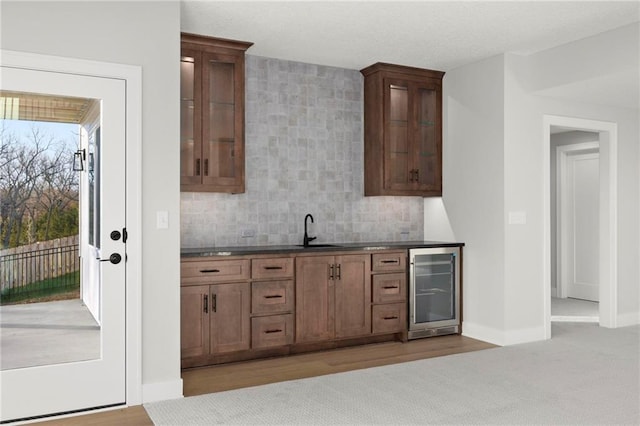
[304, 154]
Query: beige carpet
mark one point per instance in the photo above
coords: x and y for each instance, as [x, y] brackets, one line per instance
[583, 375]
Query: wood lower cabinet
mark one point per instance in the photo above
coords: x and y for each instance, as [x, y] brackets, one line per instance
[243, 307]
[194, 321]
[271, 331]
[333, 295]
[229, 310]
[214, 319]
[389, 293]
[389, 318]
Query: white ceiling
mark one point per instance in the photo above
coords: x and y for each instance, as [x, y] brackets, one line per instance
[439, 35]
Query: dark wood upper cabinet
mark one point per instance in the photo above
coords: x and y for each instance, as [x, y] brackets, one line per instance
[403, 130]
[212, 114]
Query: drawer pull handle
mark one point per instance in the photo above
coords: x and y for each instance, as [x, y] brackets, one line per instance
[390, 286]
[273, 296]
[272, 331]
[273, 268]
[208, 271]
[390, 261]
[390, 318]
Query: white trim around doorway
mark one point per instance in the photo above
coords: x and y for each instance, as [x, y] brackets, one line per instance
[608, 135]
[132, 75]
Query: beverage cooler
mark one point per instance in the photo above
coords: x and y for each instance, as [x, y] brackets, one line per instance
[434, 291]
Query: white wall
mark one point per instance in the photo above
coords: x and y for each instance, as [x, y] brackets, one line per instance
[473, 189]
[493, 165]
[146, 34]
[524, 165]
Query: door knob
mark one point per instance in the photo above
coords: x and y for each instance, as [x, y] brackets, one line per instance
[115, 258]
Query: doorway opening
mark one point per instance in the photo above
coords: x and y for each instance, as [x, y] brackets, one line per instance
[580, 241]
[575, 195]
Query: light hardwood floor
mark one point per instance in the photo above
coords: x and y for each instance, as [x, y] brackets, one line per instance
[219, 378]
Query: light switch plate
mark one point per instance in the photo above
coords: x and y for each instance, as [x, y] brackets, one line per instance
[162, 219]
[517, 218]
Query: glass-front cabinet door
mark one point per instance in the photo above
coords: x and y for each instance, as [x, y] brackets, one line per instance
[427, 157]
[190, 107]
[223, 162]
[413, 157]
[397, 153]
[212, 114]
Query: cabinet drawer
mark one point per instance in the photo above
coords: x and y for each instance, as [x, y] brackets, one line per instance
[207, 271]
[272, 330]
[272, 268]
[271, 297]
[386, 262]
[389, 288]
[390, 318]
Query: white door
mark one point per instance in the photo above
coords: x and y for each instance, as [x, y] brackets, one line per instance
[98, 382]
[582, 227]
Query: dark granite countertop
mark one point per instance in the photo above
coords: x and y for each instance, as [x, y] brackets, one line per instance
[373, 246]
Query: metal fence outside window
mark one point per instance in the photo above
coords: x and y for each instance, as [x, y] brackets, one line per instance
[39, 270]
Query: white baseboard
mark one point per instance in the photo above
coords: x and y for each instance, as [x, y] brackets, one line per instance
[632, 318]
[501, 337]
[570, 318]
[161, 391]
[480, 332]
[524, 335]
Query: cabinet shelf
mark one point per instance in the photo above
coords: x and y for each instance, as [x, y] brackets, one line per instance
[222, 104]
[432, 274]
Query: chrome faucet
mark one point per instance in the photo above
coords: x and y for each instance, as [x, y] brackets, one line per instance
[307, 238]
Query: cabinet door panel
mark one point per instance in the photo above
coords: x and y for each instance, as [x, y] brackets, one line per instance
[223, 126]
[314, 299]
[353, 295]
[194, 320]
[230, 317]
[427, 144]
[190, 122]
[397, 155]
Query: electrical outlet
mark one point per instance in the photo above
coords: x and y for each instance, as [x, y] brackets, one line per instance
[248, 233]
[404, 235]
